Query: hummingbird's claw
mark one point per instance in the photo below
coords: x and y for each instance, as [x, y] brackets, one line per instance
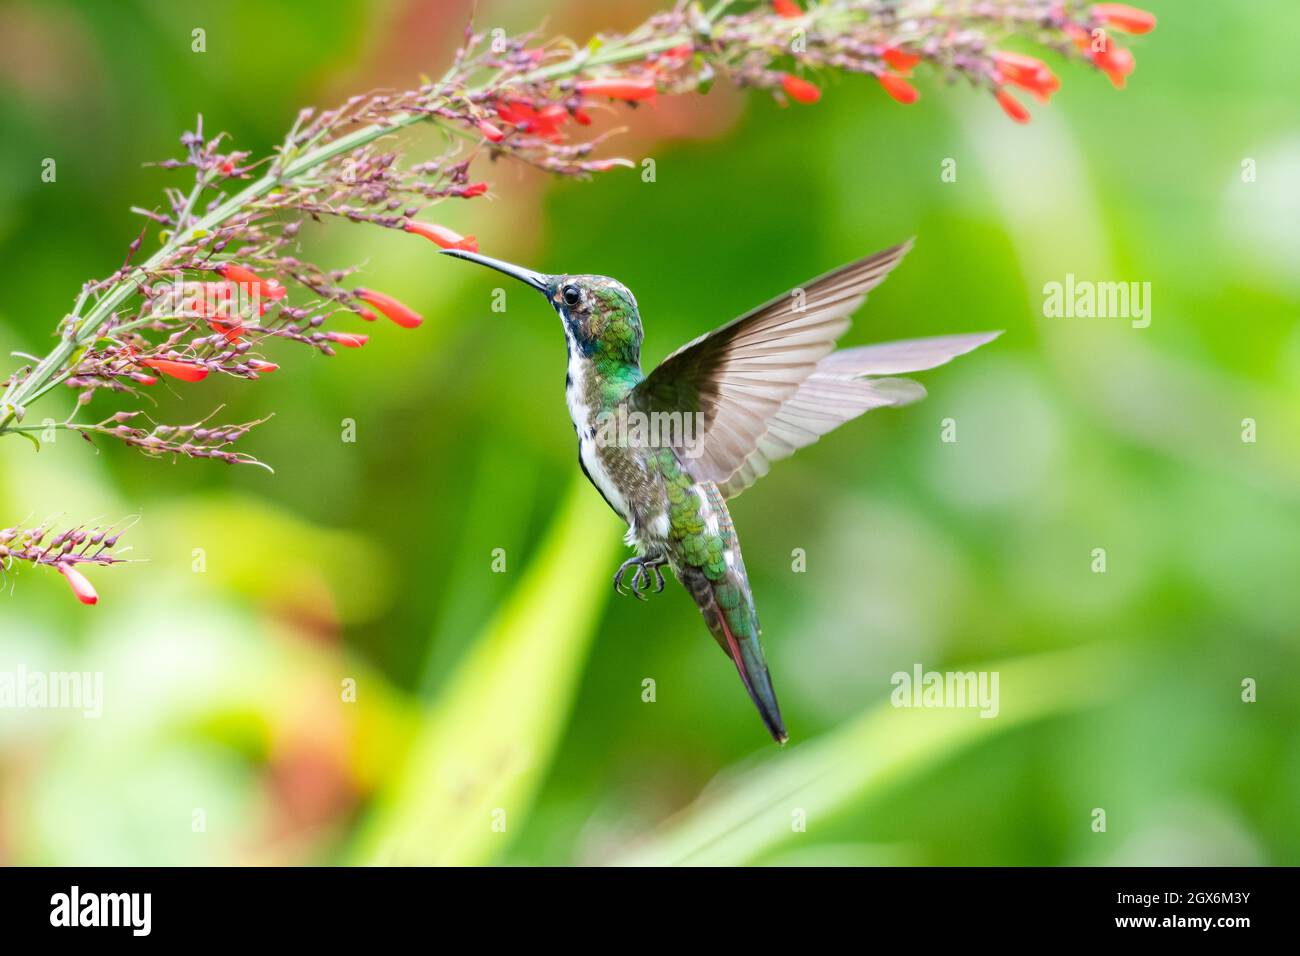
[641, 580]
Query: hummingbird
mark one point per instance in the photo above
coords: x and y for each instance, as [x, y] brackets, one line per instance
[755, 390]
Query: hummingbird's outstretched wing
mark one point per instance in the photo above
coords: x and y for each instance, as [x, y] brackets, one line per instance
[837, 392]
[739, 376]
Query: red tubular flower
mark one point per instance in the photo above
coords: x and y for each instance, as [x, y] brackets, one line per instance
[900, 60]
[545, 123]
[406, 318]
[491, 131]
[1028, 73]
[619, 89]
[1115, 61]
[673, 58]
[142, 379]
[799, 89]
[251, 281]
[582, 116]
[1123, 17]
[266, 368]
[185, 371]
[80, 584]
[899, 88]
[232, 330]
[472, 190]
[787, 8]
[442, 236]
[1012, 106]
[347, 339]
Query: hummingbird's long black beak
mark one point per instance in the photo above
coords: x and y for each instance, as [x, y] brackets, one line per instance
[535, 279]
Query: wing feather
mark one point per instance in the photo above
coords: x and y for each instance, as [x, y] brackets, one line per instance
[740, 375]
[836, 393]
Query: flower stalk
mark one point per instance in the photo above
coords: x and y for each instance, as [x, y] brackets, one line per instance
[226, 280]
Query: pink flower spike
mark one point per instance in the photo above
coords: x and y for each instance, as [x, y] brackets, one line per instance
[80, 584]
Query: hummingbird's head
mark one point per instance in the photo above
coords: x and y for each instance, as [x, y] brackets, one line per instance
[599, 314]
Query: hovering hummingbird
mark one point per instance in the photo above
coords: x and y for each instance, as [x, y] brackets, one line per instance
[758, 388]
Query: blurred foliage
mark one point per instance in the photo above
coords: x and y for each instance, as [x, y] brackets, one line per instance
[367, 565]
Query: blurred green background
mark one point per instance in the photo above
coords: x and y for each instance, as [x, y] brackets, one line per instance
[499, 717]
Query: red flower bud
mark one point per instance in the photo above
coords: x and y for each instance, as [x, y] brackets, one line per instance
[1116, 62]
[230, 329]
[251, 281]
[142, 379]
[582, 116]
[491, 131]
[406, 318]
[348, 339]
[545, 124]
[473, 189]
[257, 365]
[799, 89]
[1012, 106]
[1123, 17]
[1028, 73]
[185, 371]
[80, 584]
[619, 89]
[900, 60]
[787, 8]
[899, 88]
[673, 58]
[442, 236]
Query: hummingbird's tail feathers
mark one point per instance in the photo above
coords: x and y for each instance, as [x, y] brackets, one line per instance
[838, 392]
[728, 609]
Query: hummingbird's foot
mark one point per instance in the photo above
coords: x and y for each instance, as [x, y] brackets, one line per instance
[645, 566]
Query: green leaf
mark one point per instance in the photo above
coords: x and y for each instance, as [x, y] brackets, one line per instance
[485, 744]
[750, 816]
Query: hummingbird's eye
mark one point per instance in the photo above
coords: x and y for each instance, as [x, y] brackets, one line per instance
[572, 295]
